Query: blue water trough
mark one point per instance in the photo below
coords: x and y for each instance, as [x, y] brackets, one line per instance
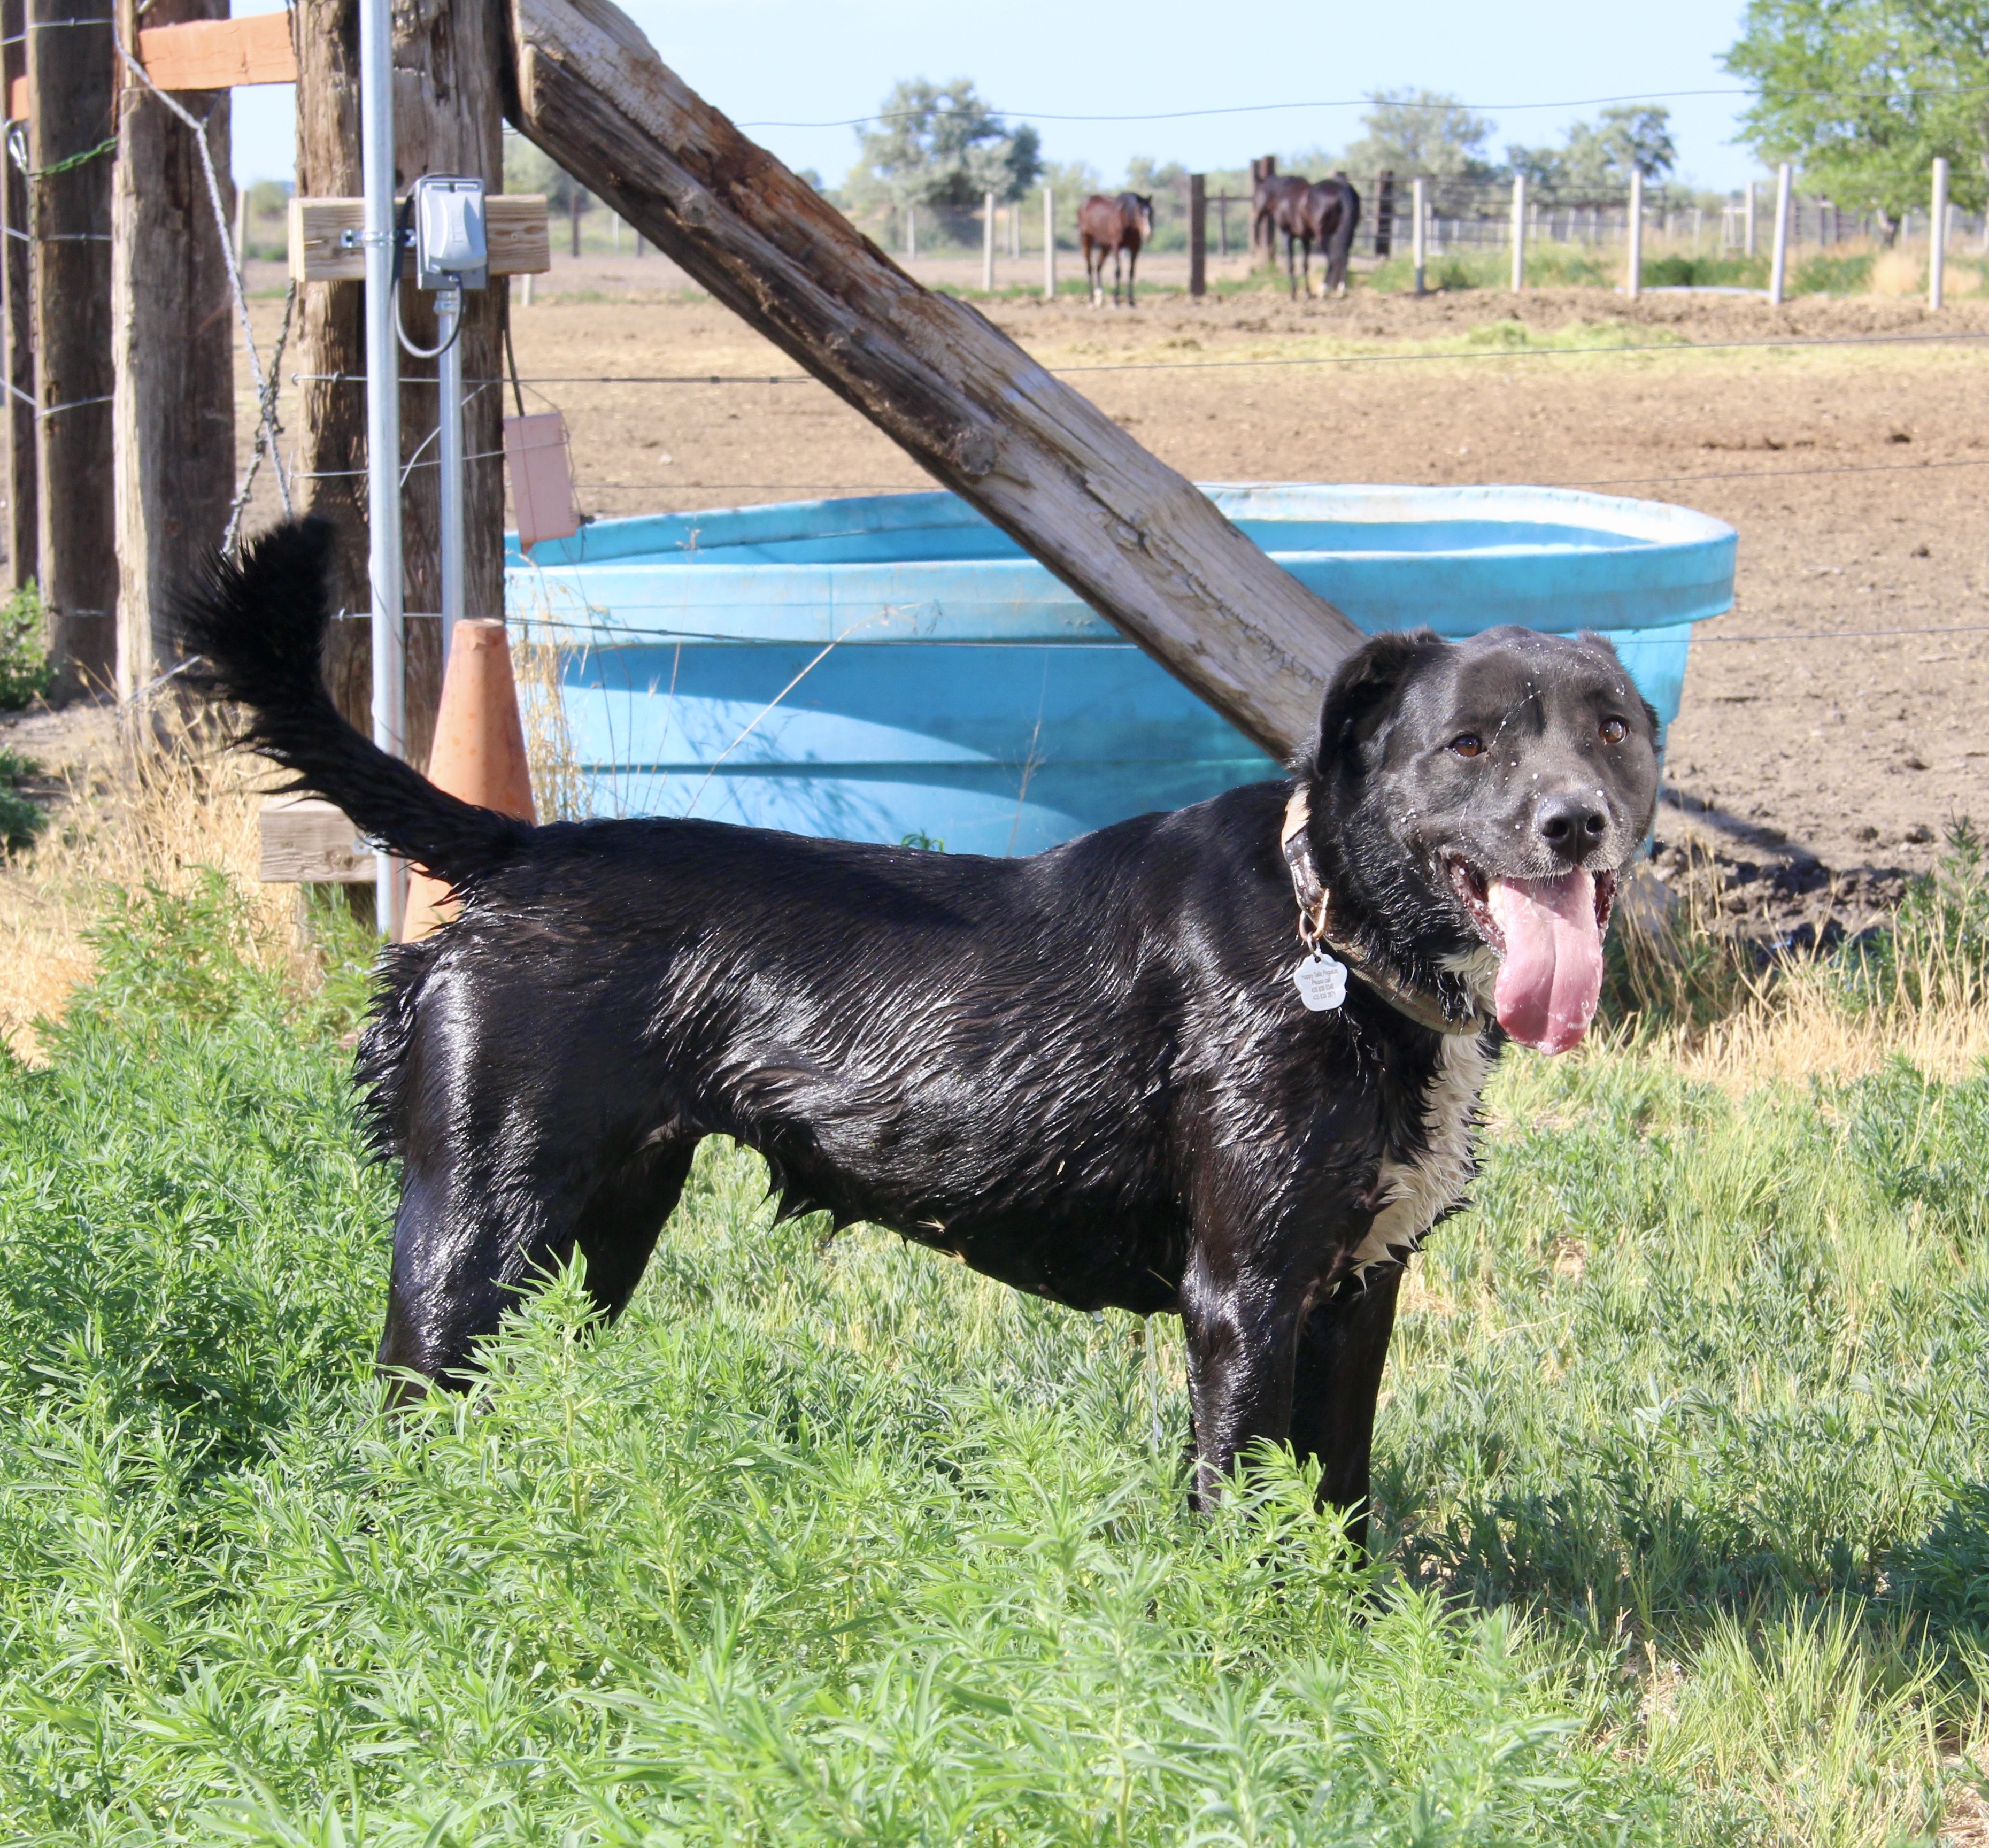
[895, 668]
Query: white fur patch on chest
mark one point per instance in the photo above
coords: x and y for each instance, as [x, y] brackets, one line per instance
[1416, 1191]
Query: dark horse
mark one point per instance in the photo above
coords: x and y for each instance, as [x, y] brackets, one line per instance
[1325, 213]
[1113, 226]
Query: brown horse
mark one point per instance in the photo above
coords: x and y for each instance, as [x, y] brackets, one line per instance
[1118, 225]
[1325, 213]
[1265, 197]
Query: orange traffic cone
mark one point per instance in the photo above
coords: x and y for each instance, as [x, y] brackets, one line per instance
[480, 749]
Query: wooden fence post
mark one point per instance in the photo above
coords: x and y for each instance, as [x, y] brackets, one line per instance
[987, 245]
[70, 142]
[173, 329]
[1197, 234]
[1384, 213]
[1049, 243]
[1418, 228]
[1937, 233]
[1263, 241]
[1633, 276]
[1750, 241]
[17, 271]
[1518, 233]
[1778, 272]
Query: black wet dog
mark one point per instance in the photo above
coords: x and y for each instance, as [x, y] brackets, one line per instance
[1130, 1071]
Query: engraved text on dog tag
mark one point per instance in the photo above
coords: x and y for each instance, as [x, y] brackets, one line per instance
[1321, 983]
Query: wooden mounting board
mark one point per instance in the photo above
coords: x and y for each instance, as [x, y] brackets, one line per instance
[305, 841]
[218, 54]
[514, 223]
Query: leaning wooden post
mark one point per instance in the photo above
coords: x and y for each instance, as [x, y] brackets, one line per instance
[1197, 234]
[987, 245]
[173, 328]
[1633, 275]
[1143, 547]
[1518, 233]
[1049, 243]
[1937, 233]
[69, 144]
[17, 298]
[1778, 272]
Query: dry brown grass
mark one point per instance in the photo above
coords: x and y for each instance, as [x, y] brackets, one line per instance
[1904, 272]
[152, 804]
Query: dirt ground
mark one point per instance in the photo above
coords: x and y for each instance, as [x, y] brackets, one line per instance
[1833, 725]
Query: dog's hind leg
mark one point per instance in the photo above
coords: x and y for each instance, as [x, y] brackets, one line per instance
[466, 1244]
[1342, 1345]
[619, 1226]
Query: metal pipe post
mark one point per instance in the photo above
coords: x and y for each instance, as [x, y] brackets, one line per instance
[448, 448]
[383, 417]
[1778, 272]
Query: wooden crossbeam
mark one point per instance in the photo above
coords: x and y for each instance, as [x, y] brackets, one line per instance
[325, 246]
[218, 54]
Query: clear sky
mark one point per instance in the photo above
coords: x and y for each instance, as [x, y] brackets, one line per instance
[785, 61]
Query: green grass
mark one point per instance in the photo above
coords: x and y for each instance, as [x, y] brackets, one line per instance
[21, 820]
[24, 655]
[1685, 1531]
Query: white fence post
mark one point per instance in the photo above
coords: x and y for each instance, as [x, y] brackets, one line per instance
[1751, 218]
[1049, 243]
[1518, 233]
[1633, 276]
[1937, 233]
[911, 233]
[1778, 273]
[1419, 230]
[987, 245]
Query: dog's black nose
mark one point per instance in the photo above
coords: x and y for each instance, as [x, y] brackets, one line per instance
[1571, 824]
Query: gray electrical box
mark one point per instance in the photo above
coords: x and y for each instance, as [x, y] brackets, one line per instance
[450, 248]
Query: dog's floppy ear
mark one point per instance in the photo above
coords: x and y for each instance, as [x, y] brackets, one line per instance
[1360, 694]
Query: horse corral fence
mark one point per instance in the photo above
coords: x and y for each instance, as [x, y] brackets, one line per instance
[1461, 215]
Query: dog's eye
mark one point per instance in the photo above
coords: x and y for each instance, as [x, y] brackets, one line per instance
[1467, 744]
[1614, 731]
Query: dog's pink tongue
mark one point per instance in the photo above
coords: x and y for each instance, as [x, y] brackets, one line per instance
[1551, 976]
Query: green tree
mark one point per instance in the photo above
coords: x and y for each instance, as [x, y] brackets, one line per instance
[1862, 94]
[1420, 131]
[1629, 138]
[942, 147]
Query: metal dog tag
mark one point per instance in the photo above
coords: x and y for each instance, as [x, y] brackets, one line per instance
[1321, 983]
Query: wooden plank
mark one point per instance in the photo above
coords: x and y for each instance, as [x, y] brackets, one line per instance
[307, 842]
[218, 54]
[172, 325]
[17, 94]
[1138, 542]
[324, 234]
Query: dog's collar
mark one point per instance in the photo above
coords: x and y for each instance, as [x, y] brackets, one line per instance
[1317, 932]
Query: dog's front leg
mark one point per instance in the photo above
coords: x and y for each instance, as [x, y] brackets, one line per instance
[1241, 1322]
[1341, 1347]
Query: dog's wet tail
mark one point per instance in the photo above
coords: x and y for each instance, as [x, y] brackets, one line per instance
[258, 625]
